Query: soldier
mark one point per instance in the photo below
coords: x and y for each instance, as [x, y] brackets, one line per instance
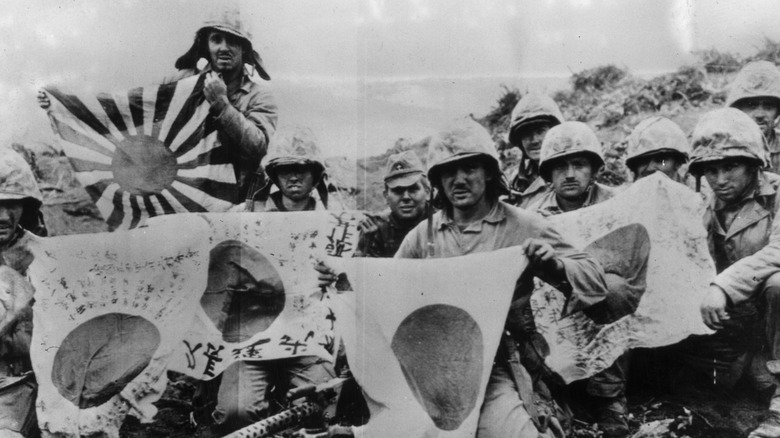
[728, 151]
[293, 165]
[241, 106]
[531, 118]
[756, 92]
[20, 202]
[570, 158]
[406, 192]
[569, 161]
[657, 145]
[464, 169]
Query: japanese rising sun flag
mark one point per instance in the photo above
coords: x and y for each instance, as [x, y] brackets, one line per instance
[145, 152]
[421, 336]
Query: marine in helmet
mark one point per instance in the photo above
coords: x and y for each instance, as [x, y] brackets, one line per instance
[756, 92]
[657, 144]
[20, 202]
[464, 170]
[531, 118]
[728, 151]
[406, 192]
[241, 105]
[570, 158]
[295, 167]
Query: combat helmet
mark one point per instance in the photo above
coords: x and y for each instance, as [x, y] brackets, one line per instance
[296, 145]
[756, 79]
[464, 139]
[656, 135]
[18, 183]
[567, 139]
[532, 108]
[726, 133]
[228, 20]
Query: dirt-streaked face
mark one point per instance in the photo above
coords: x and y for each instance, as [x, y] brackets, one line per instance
[465, 183]
[295, 181]
[667, 163]
[407, 202]
[762, 110]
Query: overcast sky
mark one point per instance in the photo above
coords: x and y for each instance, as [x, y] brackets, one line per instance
[124, 43]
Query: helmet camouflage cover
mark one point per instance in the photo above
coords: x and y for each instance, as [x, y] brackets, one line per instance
[567, 139]
[756, 79]
[296, 145]
[654, 136]
[726, 133]
[533, 107]
[16, 179]
[463, 139]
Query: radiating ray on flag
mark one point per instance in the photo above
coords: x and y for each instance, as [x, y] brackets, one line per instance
[105, 201]
[156, 206]
[123, 106]
[178, 97]
[96, 107]
[111, 109]
[190, 132]
[186, 201]
[149, 105]
[88, 156]
[215, 189]
[135, 99]
[143, 214]
[74, 131]
[127, 219]
[193, 154]
[148, 205]
[218, 172]
[209, 202]
[166, 206]
[90, 178]
[188, 110]
[163, 101]
[77, 108]
[174, 203]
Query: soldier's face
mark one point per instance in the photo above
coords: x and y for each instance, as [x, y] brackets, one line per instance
[729, 179]
[668, 164]
[225, 52]
[762, 110]
[295, 181]
[531, 139]
[407, 202]
[10, 214]
[464, 183]
[571, 176]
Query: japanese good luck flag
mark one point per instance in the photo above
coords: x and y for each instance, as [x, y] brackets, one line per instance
[261, 300]
[108, 313]
[421, 335]
[651, 241]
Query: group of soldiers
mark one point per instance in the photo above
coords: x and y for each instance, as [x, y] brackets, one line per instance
[463, 203]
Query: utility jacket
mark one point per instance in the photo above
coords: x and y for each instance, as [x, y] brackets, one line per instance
[246, 126]
[749, 251]
[547, 205]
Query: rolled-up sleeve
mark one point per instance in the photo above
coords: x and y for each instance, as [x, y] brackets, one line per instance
[251, 130]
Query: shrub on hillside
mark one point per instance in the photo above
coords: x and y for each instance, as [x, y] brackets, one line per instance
[497, 119]
[715, 61]
[770, 52]
[598, 78]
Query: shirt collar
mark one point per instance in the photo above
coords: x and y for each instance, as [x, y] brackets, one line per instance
[495, 215]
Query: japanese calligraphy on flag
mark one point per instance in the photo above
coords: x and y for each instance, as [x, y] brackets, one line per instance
[421, 336]
[653, 246]
[108, 314]
[145, 152]
[261, 300]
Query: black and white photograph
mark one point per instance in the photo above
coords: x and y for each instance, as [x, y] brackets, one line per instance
[364, 218]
